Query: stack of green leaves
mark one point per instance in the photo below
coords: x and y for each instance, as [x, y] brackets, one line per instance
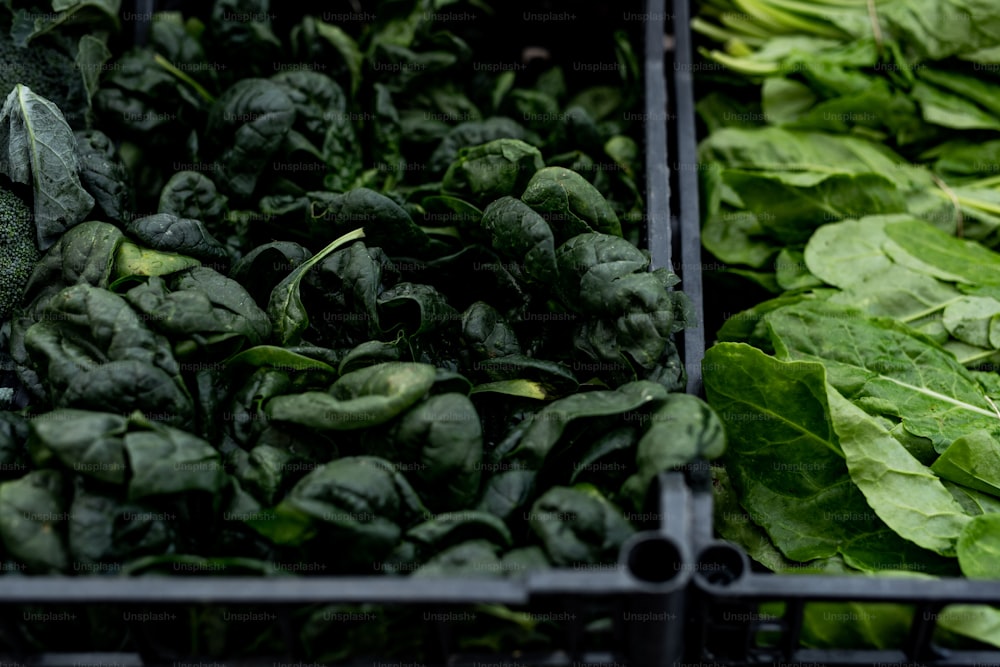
[816, 110]
[329, 108]
[849, 167]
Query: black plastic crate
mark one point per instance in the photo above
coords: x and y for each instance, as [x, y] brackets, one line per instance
[725, 625]
[683, 163]
[649, 582]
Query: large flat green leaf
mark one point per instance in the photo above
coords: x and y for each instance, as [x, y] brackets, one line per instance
[953, 258]
[936, 29]
[904, 295]
[902, 492]
[851, 251]
[787, 465]
[790, 205]
[973, 460]
[944, 108]
[979, 547]
[903, 374]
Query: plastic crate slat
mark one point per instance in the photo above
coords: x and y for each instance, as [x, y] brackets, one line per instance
[919, 641]
[810, 587]
[551, 659]
[794, 619]
[80, 659]
[849, 658]
[702, 505]
[675, 508]
[658, 230]
[374, 589]
[688, 204]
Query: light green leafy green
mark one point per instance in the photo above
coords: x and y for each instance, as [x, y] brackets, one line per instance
[955, 259]
[974, 320]
[979, 547]
[879, 359]
[787, 463]
[904, 493]
[972, 460]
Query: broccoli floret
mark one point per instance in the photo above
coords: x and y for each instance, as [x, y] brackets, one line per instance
[48, 72]
[18, 252]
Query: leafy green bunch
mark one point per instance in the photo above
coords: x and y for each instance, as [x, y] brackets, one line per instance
[347, 304]
[327, 108]
[849, 171]
[841, 110]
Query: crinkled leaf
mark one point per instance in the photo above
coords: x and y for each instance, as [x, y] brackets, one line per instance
[103, 174]
[33, 511]
[84, 254]
[128, 385]
[193, 195]
[416, 308]
[520, 234]
[261, 269]
[514, 484]
[88, 443]
[385, 222]
[474, 132]
[570, 204]
[42, 152]
[679, 432]
[442, 439]
[197, 303]
[168, 461]
[486, 331]
[245, 128]
[577, 525]
[491, 170]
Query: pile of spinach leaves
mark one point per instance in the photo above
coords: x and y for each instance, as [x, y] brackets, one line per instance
[335, 300]
[848, 167]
